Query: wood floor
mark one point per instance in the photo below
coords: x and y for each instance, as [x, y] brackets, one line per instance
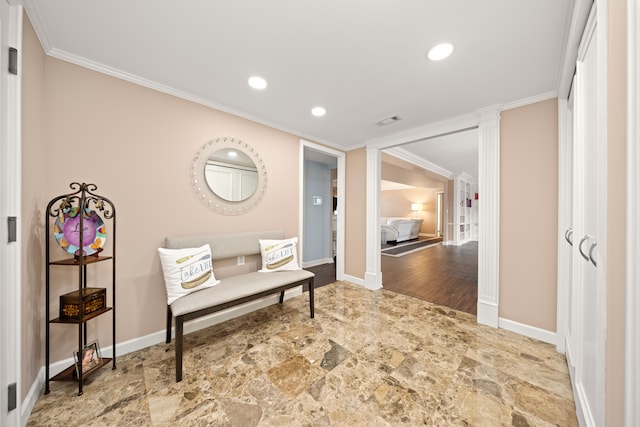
[444, 275]
[325, 274]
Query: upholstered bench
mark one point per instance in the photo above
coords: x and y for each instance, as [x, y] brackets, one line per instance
[235, 289]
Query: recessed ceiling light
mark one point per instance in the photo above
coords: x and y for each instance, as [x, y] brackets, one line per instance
[232, 154]
[318, 111]
[440, 51]
[257, 82]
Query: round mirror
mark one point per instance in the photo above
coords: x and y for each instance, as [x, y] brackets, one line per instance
[228, 176]
[231, 175]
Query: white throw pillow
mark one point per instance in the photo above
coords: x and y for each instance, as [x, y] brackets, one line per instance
[279, 255]
[186, 270]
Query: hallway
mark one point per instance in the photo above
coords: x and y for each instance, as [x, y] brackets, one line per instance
[444, 275]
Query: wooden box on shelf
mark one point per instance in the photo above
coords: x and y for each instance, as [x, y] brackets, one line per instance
[95, 299]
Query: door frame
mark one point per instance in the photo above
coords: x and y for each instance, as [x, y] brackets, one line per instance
[487, 120]
[10, 205]
[440, 214]
[341, 161]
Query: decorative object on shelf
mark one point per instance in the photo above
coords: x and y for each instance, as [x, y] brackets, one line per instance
[77, 221]
[67, 231]
[89, 360]
[94, 299]
[228, 176]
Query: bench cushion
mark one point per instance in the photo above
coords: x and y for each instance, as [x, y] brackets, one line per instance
[236, 287]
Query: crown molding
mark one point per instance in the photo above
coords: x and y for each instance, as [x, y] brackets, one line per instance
[407, 156]
[530, 100]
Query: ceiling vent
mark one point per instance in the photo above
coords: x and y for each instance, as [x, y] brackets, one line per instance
[389, 120]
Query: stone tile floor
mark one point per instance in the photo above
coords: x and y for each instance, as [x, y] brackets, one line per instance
[369, 358]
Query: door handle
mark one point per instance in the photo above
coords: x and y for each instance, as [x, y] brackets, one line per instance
[568, 234]
[585, 238]
[593, 246]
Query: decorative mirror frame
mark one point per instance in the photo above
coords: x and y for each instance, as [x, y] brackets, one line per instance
[206, 194]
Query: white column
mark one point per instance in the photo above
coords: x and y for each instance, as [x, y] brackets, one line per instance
[489, 216]
[373, 273]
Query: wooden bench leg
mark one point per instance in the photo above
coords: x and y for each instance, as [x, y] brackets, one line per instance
[178, 345]
[311, 298]
[169, 318]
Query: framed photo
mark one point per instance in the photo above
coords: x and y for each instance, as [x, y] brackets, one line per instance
[89, 360]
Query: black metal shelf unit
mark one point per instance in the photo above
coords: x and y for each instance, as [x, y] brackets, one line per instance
[81, 201]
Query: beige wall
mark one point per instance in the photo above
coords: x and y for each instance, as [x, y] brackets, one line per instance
[529, 214]
[136, 145]
[355, 261]
[34, 202]
[397, 203]
[616, 189]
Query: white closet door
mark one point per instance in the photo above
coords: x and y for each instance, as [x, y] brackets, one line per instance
[587, 294]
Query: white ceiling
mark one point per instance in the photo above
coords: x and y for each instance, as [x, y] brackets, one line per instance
[456, 152]
[363, 60]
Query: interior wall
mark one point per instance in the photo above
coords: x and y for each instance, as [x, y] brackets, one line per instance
[529, 214]
[616, 213]
[34, 201]
[397, 203]
[136, 145]
[355, 261]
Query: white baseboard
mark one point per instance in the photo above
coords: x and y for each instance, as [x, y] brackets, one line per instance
[372, 281]
[487, 314]
[31, 398]
[307, 264]
[149, 340]
[528, 331]
[353, 279]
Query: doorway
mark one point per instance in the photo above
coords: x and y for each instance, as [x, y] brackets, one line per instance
[322, 211]
[487, 121]
[442, 172]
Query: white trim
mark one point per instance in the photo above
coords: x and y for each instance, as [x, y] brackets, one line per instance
[489, 216]
[632, 300]
[455, 124]
[340, 220]
[487, 120]
[528, 331]
[565, 157]
[530, 100]
[10, 205]
[487, 312]
[575, 27]
[307, 264]
[32, 396]
[403, 154]
[355, 280]
[373, 272]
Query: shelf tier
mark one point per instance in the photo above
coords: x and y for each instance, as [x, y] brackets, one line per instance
[84, 319]
[69, 373]
[86, 260]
